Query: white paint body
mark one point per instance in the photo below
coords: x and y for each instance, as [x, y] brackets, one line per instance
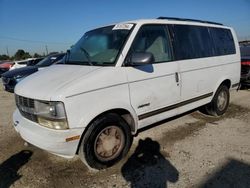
[88, 91]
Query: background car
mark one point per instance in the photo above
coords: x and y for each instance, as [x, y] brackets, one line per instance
[26, 62]
[12, 77]
[5, 66]
[245, 66]
[34, 61]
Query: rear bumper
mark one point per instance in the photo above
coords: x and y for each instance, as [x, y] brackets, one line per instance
[245, 80]
[53, 141]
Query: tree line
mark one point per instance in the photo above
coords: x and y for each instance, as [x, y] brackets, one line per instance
[20, 55]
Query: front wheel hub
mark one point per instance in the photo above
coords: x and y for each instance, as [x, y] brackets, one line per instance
[109, 143]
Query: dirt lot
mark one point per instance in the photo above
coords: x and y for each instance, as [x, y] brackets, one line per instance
[190, 151]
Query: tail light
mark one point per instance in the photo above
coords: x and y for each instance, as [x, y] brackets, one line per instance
[245, 63]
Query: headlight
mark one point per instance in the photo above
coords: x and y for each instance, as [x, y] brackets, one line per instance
[51, 114]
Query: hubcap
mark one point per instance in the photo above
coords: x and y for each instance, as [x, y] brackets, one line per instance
[109, 143]
[222, 100]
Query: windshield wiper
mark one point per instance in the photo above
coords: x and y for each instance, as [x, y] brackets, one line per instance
[87, 55]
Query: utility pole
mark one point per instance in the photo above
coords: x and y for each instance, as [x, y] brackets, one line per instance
[7, 50]
[46, 48]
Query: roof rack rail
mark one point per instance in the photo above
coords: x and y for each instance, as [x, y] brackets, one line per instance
[189, 20]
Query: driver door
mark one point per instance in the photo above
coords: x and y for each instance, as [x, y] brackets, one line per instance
[154, 87]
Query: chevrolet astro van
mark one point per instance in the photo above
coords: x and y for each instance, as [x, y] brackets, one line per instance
[120, 78]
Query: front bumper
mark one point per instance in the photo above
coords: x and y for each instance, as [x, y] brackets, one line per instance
[53, 141]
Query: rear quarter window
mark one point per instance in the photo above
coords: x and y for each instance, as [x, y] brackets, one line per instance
[223, 41]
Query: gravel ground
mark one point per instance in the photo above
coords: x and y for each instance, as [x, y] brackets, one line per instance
[190, 151]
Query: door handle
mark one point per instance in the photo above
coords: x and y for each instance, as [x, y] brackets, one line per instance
[177, 78]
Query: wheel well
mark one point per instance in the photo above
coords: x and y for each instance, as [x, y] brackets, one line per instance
[226, 83]
[122, 112]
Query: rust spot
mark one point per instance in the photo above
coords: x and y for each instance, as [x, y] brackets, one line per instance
[73, 138]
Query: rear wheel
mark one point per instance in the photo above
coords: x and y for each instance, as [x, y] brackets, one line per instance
[106, 142]
[218, 106]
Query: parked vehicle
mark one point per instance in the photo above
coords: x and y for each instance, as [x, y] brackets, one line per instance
[120, 78]
[245, 66]
[35, 61]
[23, 63]
[5, 66]
[12, 77]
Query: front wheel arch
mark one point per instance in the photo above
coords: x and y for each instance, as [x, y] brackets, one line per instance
[125, 114]
[87, 143]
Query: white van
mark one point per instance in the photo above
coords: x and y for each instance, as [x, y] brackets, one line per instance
[120, 78]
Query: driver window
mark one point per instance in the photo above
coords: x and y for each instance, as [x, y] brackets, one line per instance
[153, 39]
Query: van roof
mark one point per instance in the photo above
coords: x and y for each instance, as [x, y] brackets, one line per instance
[189, 20]
[172, 20]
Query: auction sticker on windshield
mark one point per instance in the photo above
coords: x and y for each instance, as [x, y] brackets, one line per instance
[122, 26]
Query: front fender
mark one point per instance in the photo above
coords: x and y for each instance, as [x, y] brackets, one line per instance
[83, 108]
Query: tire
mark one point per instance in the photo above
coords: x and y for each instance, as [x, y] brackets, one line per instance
[219, 104]
[106, 142]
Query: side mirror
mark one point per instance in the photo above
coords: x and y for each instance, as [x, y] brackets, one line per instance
[141, 58]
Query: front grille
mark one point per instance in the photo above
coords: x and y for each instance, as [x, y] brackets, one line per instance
[26, 107]
[23, 101]
[29, 116]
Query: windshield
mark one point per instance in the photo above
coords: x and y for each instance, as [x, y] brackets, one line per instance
[99, 47]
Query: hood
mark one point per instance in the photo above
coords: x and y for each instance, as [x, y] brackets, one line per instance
[20, 72]
[44, 83]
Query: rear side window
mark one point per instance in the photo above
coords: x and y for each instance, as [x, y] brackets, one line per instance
[192, 42]
[153, 39]
[223, 41]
